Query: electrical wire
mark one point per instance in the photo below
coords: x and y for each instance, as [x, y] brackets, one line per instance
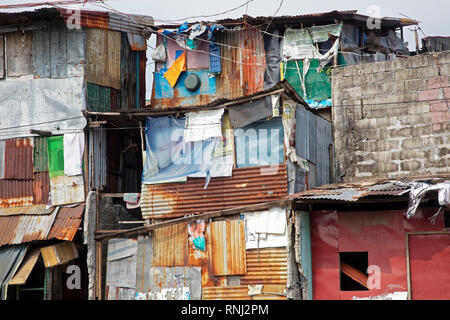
[352, 106]
[279, 7]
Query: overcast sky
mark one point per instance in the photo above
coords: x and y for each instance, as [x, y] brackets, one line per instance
[432, 14]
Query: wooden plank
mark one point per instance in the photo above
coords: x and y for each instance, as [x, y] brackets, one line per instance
[18, 53]
[355, 274]
[103, 57]
[26, 267]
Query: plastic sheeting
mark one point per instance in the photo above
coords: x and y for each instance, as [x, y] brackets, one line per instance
[316, 82]
[169, 157]
[244, 114]
[300, 43]
[260, 143]
[265, 229]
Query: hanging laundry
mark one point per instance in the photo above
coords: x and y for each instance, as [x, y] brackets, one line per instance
[132, 200]
[73, 145]
[175, 70]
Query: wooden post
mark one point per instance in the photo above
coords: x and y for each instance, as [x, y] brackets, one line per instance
[416, 38]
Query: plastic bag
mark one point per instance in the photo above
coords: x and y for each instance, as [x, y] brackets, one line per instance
[159, 55]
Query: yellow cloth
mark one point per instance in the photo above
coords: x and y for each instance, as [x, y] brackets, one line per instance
[175, 69]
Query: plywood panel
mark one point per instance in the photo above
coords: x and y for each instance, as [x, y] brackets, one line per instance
[170, 246]
[18, 53]
[103, 57]
[227, 247]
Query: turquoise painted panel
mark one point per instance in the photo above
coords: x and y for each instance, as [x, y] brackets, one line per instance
[163, 90]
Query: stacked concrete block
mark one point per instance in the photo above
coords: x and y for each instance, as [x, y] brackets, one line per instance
[392, 118]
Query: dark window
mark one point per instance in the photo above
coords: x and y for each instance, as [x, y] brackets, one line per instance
[447, 218]
[353, 271]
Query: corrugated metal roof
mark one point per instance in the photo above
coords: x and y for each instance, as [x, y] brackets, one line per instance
[247, 186]
[266, 266]
[137, 24]
[16, 229]
[352, 192]
[34, 209]
[67, 223]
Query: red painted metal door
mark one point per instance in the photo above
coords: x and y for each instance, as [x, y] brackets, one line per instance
[430, 266]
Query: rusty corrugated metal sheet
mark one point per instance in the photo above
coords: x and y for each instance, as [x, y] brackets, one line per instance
[61, 224]
[34, 209]
[25, 228]
[269, 292]
[41, 188]
[247, 186]
[243, 63]
[110, 20]
[66, 223]
[19, 159]
[352, 192]
[16, 193]
[170, 246]
[225, 293]
[266, 266]
[227, 247]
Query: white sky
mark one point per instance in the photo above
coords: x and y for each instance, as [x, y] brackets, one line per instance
[433, 14]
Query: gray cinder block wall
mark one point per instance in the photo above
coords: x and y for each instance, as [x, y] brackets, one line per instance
[391, 118]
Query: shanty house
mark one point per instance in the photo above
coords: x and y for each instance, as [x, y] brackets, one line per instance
[56, 64]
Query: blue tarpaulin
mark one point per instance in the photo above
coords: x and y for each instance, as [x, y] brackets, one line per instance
[168, 156]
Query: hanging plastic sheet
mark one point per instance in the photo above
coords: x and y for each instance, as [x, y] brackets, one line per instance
[201, 125]
[159, 55]
[300, 43]
[244, 114]
[175, 70]
[260, 143]
[175, 158]
[55, 147]
[273, 47]
[265, 229]
[222, 161]
[73, 153]
[316, 84]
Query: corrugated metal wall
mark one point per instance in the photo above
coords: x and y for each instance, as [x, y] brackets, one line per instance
[243, 63]
[19, 159]
[313, 136]
[247, 186]
[170, 246]
[227, 247]
[266, 266]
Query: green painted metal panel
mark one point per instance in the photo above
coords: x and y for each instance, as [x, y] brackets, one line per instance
[55, 147]
[40, 158]
[98, 97]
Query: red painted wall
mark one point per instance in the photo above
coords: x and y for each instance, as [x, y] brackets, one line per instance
[381, 234]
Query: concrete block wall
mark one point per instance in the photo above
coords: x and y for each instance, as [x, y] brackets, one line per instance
[392, 118]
